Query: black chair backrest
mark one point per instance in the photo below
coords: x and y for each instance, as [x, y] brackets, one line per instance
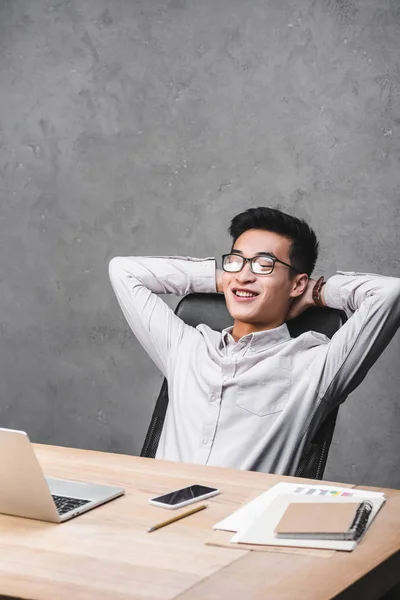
[211, 310]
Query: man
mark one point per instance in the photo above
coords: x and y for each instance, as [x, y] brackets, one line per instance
[252, 397]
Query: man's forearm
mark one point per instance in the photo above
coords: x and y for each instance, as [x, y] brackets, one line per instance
[348, 291]
[164, 275]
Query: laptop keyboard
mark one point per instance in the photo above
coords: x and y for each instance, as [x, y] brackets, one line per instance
[65, 504]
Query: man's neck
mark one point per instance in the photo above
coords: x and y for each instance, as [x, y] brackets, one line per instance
[241, 329]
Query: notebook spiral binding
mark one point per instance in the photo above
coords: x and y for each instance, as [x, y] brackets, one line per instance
[361, 519]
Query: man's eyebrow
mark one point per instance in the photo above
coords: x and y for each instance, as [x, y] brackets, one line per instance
[264, 253]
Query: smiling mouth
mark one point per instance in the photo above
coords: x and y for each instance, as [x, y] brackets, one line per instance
[244, 294]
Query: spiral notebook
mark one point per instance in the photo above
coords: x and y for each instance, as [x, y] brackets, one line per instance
[333, 521]
[257, 525]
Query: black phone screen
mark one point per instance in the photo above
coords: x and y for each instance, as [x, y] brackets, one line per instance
[178, 496]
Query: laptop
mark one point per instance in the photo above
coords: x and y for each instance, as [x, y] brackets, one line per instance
[25, 492]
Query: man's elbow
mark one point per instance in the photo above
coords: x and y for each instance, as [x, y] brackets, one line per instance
[114, 268]
[394, 289]
[393, 298]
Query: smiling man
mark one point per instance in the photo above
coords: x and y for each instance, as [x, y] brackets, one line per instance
[252, 397]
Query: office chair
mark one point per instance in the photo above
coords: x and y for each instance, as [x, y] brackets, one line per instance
[211, 310]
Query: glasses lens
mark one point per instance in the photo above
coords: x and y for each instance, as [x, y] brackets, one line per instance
[263, 265]
[232, 263]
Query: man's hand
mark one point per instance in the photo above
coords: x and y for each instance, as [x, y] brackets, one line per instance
[301, 303]
[218, 281]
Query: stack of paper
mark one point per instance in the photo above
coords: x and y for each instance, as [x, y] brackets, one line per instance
[255, 522]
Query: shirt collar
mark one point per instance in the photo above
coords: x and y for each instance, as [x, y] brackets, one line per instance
[260, 340]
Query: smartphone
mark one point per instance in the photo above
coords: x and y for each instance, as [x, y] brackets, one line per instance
[184, 496]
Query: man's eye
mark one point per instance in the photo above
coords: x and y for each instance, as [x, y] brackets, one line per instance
[265, 263]
[233, 263]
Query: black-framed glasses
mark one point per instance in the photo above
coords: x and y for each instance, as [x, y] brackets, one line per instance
[263, 264]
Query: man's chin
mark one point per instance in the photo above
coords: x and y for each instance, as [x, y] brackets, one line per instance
[243, 314]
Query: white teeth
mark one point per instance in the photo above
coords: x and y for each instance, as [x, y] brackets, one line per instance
[243, 294]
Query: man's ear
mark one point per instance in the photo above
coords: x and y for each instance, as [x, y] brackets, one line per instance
[299, 285]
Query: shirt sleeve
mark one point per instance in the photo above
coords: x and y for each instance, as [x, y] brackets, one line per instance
[372, 303]
[137, 281]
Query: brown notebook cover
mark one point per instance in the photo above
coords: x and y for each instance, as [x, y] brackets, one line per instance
[328, 520]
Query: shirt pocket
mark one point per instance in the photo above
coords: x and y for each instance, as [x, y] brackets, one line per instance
[266, 392]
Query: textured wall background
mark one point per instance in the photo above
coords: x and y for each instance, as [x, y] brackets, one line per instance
[142, 127]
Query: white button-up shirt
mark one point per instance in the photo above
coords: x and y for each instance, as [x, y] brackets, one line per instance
[253, 404]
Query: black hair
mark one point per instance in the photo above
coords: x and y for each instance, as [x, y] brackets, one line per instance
[304, 250]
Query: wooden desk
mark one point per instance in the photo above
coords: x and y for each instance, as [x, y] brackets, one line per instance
[107, 553]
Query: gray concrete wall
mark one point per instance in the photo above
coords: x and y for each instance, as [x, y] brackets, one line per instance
[142, 127]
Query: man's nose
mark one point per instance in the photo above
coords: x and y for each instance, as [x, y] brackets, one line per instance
[246, 274]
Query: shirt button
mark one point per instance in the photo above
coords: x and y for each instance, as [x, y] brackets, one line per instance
[212, 398]
[205, 442]
[224, 379]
